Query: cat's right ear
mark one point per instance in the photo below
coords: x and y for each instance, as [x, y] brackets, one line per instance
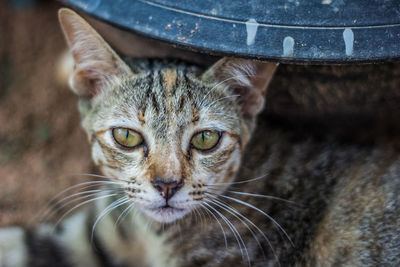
[96, 63]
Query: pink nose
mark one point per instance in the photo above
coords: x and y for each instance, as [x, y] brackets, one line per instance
[167, 188]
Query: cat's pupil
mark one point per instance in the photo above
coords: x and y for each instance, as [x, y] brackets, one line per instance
[127, 134]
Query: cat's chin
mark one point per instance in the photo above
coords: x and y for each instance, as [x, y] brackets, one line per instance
[165, 214]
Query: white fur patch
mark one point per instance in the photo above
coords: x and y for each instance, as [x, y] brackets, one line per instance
[74, 237]
[158, 252]
[13, 251]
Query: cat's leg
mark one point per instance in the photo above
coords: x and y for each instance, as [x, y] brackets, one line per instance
[44, 245]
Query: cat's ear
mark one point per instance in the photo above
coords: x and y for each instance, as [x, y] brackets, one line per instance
[96, 63]
[248, 79]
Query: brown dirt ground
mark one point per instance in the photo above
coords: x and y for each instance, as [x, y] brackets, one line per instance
[41, 141]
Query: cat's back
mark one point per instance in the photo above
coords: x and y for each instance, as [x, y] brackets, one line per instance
[347, 187]
[361, 224]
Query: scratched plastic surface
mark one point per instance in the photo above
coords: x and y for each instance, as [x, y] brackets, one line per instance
[310, 31]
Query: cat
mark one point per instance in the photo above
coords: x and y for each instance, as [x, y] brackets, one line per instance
[193, 178]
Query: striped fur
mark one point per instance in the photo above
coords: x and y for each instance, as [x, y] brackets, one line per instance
[345, 213]
[262, 197]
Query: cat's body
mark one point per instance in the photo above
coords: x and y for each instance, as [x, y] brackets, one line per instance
[314, 201]
[346, 213]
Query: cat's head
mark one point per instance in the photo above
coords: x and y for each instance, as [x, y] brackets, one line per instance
[171, 134]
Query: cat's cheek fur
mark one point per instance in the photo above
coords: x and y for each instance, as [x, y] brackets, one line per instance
[221, 167]
[228, 172]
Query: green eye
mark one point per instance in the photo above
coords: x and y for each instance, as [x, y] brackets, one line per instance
[206, 140]
[127, 138]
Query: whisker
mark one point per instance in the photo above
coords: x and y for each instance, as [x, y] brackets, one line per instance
[98, 176]
[80, 205]
[230, 209]
[109, 208]
[51, 203]
[234, 231]
[205, 216]
[198, 218]
[260, 211]
[56, 208]
[123, 214]
[241, 182]
[212, 201]
[219, 223]
[80, 184]
[263, 196]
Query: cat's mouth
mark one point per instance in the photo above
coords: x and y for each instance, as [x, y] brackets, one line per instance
[166, 208]
[165, 213]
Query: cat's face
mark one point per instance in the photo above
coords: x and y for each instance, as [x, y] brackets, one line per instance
[165, 139]
[171, 135]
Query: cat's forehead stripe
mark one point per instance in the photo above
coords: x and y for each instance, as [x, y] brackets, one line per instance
[141, 117]
[195, 115]
[169, 77]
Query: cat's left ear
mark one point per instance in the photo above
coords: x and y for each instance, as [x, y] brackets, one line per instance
[96, 63]
[249, 79]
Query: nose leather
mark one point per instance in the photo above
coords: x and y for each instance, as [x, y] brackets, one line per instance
[166, 188]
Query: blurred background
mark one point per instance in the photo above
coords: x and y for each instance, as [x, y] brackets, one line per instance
[40, 136]
[42, 146]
